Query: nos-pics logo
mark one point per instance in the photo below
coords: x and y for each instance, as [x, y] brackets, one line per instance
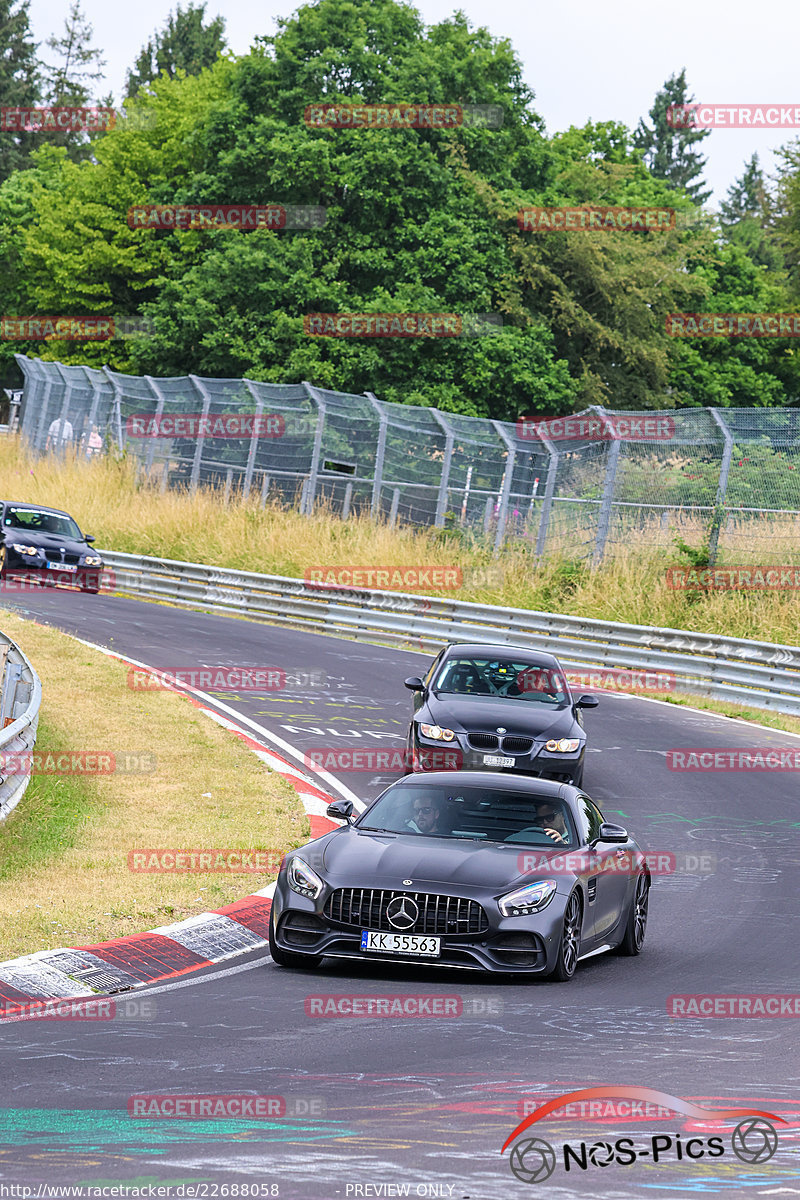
[534, 1160]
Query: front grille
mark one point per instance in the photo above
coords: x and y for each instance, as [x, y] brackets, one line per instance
[484, 741]
[439, 915]
[517, 745]
[74, 559]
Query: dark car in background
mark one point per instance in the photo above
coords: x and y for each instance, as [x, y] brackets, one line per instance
[46, 545]
[466, 869]
[499, 709]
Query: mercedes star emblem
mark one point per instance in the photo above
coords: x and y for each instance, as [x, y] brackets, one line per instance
[402, 912]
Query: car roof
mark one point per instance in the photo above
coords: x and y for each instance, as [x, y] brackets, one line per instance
[59, 512]
[548, 788]
[490, 650]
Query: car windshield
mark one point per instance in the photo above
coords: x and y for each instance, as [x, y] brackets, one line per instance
[514, 679]
[446, 810]
[41, 522]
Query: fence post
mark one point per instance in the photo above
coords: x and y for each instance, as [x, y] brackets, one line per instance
[505, 491]
[722, 486]
[116, 412]
[200, 387]
[160, 402]
[251, 456]
[441, 499]
[380, 453]
[313, 473]
[549, 492]
[395, 506]
[604, 519]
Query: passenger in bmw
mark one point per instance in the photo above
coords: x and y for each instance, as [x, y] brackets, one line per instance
[427, 816]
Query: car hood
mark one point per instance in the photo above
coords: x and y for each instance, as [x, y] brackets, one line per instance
[46, 541]
[352, 858]
[524, 717]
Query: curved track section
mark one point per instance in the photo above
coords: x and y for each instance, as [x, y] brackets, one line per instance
[426, 1103]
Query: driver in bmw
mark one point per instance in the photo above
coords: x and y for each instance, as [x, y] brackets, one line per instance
[427, 816]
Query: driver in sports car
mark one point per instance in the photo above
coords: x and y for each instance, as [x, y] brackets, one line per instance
[551, 821]
[427, 816]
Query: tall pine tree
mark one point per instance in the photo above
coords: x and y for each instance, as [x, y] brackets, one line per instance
[667, 149]
[20, 85]
[184, 43]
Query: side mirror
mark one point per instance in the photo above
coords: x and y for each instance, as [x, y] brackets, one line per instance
[341, 810]
[612, 833]
[87, 537]
[587, 702]
[414, 684]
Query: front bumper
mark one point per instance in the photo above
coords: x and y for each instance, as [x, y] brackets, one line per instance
[459, 755]
[25, 571]
[515, 945]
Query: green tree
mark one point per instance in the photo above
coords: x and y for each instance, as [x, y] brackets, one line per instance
[184, 44]
[747, 218]
[20, 84]
[667, 148]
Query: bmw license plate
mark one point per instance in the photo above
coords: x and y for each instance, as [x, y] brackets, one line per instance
[60, 567]
[401, 943]
[497, 760]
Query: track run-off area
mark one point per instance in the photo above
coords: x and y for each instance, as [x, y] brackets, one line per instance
[421, 1106]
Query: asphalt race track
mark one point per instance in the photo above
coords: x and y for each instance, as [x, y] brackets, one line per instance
[378, 1105]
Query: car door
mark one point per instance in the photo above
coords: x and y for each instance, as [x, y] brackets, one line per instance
[607, 873]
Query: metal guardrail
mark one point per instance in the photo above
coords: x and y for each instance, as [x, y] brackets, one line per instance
[760, 674]
[20, 701]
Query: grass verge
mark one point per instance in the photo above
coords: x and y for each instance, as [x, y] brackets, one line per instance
[64, 874]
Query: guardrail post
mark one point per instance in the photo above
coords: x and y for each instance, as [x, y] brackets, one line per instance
[604, 519]
[505, 491]
[722, 486]
[313, 474]
[380, 453]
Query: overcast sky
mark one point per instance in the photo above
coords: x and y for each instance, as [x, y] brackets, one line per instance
[585, 60]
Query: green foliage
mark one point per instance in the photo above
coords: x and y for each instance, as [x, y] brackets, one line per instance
[19, 81]
[184, 44]
[667, 147]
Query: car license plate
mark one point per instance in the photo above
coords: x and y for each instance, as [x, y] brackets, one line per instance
[401, 943]
[497, 760]
[60, 567]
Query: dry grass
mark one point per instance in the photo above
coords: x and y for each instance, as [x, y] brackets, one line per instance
[64, 877]
[629, 586]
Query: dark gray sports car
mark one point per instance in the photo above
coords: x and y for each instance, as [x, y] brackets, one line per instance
[495, 707]
[492, 872]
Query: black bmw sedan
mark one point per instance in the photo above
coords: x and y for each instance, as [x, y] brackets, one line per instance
[497, 708]
[46, 545]
[492, 872]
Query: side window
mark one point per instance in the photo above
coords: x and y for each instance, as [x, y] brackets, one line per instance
[589, 819]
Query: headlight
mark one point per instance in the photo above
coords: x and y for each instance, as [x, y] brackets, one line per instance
[93, 560]
[563, 745]
[303, 880]
[436, 733]
[20, 549]
[530, 899]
